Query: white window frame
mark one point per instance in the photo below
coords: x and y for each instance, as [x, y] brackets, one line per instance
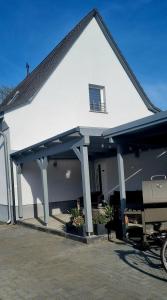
[102, 107]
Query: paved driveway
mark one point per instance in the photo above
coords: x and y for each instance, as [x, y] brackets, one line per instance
[37, 265]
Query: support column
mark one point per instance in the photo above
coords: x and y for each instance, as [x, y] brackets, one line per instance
[19, 190]
[82, 155]
[43, 164]
[121, 188]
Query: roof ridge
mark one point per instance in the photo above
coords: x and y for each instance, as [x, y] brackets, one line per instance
[30, 85]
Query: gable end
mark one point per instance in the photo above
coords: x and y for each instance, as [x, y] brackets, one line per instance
[30, 86]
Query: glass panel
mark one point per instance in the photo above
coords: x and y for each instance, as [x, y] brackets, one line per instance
[95, 99]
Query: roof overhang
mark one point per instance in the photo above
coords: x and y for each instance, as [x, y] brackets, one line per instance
[61, 146]
[3, 124]
[150, 130]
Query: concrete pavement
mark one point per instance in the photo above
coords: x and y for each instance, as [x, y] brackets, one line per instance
[37, 265]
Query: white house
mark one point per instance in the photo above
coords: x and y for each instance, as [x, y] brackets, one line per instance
[55, 118]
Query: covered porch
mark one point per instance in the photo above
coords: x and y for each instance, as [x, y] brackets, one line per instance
[81, 145]
[144, 139]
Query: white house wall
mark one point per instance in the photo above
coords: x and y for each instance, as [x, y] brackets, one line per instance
[64, 180]
[64, 184]
[63, 102]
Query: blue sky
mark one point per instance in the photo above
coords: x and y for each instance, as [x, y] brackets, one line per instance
[29, 29]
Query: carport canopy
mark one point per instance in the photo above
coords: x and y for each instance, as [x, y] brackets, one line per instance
[146, 133]
[83, 143]
[149, 131]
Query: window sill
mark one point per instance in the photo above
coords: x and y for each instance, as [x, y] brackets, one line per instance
[98, 111]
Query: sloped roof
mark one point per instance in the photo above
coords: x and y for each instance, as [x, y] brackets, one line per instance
[30, 86]
[134, 126]
[149, 132]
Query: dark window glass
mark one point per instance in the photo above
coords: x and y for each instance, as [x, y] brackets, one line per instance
[96, 103]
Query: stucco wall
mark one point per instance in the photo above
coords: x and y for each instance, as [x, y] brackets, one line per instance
[64, 182]
[63, 102]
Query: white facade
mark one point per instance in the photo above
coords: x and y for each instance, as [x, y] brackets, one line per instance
[63, 173]
[63, 101]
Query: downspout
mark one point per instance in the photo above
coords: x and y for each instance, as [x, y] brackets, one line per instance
[6, 153]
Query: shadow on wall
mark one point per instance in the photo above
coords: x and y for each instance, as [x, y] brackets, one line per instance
[32, 188]
[64, 180]
[148, 163]
[64, 186]
[138, 167]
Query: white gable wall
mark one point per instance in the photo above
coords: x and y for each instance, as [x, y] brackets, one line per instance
[63, 102]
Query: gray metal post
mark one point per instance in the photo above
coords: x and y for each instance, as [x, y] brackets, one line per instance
[19, 190]
[8, 174]
[121, 187]
[86, 189]
[43, 164]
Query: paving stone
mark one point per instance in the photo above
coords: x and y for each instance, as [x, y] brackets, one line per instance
[36, 265]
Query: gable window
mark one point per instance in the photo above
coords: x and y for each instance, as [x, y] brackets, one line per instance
[97, 98]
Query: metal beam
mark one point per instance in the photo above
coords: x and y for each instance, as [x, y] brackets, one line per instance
[19, 190]
[6, 144]
[83, 157]
[122, 190]
[43, 164]
[43, 152]
[78, 153]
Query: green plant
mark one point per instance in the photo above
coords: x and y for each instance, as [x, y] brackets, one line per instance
[99, 219]
[108, 212]
[77, 218]
[75, 212]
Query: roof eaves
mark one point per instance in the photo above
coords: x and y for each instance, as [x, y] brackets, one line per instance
[136, 125]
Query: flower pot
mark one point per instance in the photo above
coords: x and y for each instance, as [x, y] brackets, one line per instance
[80, 230]
[100, 229]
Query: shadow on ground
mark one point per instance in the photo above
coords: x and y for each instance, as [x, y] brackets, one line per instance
[147, 262]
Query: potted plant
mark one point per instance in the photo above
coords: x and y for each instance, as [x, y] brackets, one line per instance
[99, 222]
[108, 212]
[76, 225]
[110, 220]
[103, 221]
